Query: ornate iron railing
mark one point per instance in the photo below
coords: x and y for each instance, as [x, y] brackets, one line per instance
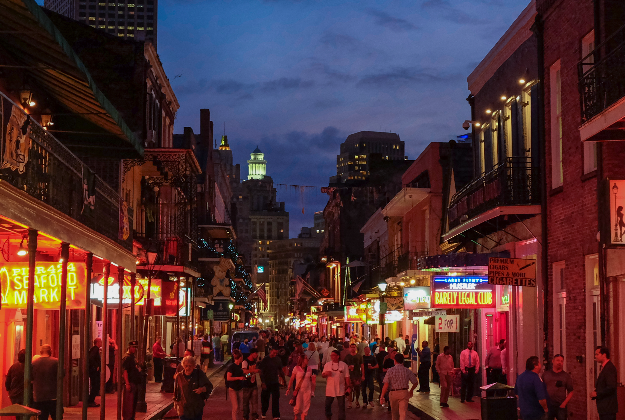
[512, 182]
[34, 161]
[602, 76]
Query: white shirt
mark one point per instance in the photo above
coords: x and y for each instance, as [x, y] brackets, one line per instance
[504, 360]
[324, 346]
[335, 385]
[302, 377]
[401, 344]
[474, 361]
[313, 359]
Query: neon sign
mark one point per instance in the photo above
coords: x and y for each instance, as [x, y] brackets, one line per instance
[416, 298]
[14, 285]
[462, 292]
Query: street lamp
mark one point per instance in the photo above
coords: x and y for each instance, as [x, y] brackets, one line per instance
[382, 286]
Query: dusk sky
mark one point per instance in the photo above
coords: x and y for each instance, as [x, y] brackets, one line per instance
[296, 77]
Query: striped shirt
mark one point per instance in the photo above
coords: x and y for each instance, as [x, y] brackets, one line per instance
[398, 377]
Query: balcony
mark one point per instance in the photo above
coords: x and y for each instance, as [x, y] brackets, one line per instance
[511, 187]
[36, 163]
[602, 90]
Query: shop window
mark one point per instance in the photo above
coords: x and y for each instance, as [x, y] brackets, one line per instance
[557, 174]
[526, 112]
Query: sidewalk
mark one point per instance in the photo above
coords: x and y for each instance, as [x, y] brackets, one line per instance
[427, 406]
[158, 402]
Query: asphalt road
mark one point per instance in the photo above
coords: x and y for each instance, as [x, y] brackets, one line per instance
[217, 407]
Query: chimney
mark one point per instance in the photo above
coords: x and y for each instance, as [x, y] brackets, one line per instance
[206, 131]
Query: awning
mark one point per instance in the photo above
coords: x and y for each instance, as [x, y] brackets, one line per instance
[45, 57]
[491, 214]
[218, 230]
[404, 201]
[176, 269]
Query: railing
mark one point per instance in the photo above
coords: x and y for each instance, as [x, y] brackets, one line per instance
[512, 182]
[34, 161]
[602, 76]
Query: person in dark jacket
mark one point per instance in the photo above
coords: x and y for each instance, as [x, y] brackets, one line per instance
[605, 387]
[15, 379]
[191, 390]
[94, 371]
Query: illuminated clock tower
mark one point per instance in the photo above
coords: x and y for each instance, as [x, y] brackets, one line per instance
[257, 165]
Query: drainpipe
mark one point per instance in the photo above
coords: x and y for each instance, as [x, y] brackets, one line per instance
[538, 28]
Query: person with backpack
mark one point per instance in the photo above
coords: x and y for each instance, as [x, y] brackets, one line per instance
[235, 379]
[191, 389]
[250, 387]
[270, 374]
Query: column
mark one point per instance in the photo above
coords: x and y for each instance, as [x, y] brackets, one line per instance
[105, 330]
[30, 314]
[87, 337]
[120, 341]
[62, 325]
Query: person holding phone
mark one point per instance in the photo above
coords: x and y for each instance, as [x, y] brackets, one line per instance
[559, 386]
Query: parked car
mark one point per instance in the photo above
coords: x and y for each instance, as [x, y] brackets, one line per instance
[240, 336]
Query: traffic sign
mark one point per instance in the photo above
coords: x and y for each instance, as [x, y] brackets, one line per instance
[512, 272]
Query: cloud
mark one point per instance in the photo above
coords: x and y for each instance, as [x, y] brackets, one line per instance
[391, 22]
[451, 13]
[241, 90]
[336, 40]
[285, 83]
[404, 76]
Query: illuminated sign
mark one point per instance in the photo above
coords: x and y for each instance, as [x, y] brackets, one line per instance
[512, 272]
[462, 292]
[352, 315]
[416, 298]
[14, 285]
[141, 291]
[260, 269]
[373, 314]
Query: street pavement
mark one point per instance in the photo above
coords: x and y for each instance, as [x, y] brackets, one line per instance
[218, 408]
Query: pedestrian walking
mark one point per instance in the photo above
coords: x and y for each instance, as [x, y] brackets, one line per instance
[158, 354]
[494, 367]
[605, 386]
[396, 383]
[224, 346]
[110, 362]
[191, 389]
[245, 348]
[250, 386]
[338, 384]
[270, 374]
[435, 352]
[531, 392]
[387, 364]
[95, 361]
[313, 363]
[559, 386]
[260, 346]
[217, 348]
[14, 382]
[302, 379]
[425, 363]
[235, 379]
[43, 374]
[401, 344]
[370, 365]
[445, 367]
[132, 379]
[207, 356]
[356, 374]
[469, 367]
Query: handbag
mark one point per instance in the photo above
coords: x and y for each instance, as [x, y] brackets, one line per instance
[178, 399]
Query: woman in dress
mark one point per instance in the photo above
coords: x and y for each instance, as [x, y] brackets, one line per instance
[303, 390]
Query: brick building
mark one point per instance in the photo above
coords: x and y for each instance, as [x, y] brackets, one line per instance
[583, 113]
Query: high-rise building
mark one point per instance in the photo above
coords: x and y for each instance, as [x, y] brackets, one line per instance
[360, 149]
[257, 165]
[133, 19]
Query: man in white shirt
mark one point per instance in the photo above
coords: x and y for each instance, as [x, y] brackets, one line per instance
[324, 348]
[469, 367]
[401, 344]
[337, 385]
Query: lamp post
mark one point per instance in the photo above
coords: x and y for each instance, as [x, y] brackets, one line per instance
[231, 306]
[617, 237]
[382, 286]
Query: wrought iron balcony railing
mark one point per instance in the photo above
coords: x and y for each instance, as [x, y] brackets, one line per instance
[34, 161]
[512, 182]
[602, 76]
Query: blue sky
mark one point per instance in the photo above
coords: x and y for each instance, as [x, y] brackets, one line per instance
[296, 77]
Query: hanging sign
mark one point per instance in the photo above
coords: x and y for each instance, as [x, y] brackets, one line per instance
[221, 310]
[416, 298]
[617, 213]
[14, 283]
[512, 272]
[446, 323]
[462, 292]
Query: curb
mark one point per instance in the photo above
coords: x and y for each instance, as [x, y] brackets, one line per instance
[161, 413]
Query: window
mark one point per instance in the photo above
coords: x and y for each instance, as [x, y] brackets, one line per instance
[559, 309]
[507, 129]
[526, 110]
[590, 148]
[481, 150]
[557, 174]
[494, 130]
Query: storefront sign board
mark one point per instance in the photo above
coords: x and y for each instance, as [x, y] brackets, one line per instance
[76, 346]
[417, 298]
[617, 211]
[462, 292]
[221, 310]
[432, 312]
[14, 285]
[512, 272]
[447, 323]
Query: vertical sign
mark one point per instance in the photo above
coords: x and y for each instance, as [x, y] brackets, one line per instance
[75, 346]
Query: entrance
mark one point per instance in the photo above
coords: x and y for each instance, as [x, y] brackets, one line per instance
[593, 328]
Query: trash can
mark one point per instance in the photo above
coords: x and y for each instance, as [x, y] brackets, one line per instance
[497, 403]
[170, 364]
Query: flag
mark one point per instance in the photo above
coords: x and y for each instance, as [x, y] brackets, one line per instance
[262, 294]
[299, 285]
[356, 287]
